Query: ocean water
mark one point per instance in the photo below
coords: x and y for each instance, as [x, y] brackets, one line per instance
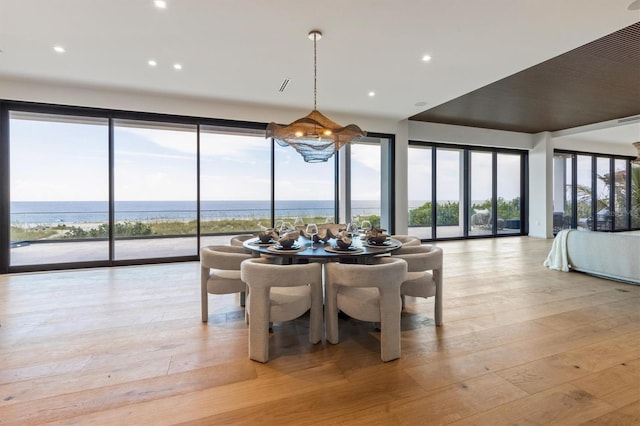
[56, 212]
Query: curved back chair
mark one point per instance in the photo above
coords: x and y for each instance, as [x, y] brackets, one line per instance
[425, 274]
[368, 293]
[407, 240]
[220, 273]
[237, 240]
[280, 293]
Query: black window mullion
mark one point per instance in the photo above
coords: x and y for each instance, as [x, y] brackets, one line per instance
[466, 189]
[198, 189]
[594, 193]
[433, 192]
[5, 202]
[273, 183]
[494, 193]
[112, 208]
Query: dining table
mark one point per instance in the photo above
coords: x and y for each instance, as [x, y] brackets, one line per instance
[360, 251]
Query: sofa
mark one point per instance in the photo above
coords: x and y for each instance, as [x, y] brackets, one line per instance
[608, 255]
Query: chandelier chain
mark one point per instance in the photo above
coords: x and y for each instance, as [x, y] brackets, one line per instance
[315, 72]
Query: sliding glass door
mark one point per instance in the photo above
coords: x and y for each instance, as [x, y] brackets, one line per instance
[235, 183]
[479, 192]
[83, 187]
[304, 192]
[59, 189]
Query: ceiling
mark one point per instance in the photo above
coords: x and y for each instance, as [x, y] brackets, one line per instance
[242, 50]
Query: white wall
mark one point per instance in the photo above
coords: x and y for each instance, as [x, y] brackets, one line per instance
[540, 187]
[446, 133]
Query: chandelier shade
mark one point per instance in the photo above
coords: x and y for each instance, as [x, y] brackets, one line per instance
[314, 136]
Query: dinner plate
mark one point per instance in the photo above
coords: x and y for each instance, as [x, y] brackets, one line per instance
[386, 243]
[295, 246]
[260, 243]
[350, 248]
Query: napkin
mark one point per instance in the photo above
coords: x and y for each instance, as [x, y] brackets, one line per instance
[267, 235]
[288, 239]
[343, 240]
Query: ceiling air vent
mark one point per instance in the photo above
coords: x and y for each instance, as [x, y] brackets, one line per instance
[283, 85]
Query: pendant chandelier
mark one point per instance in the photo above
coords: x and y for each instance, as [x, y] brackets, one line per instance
[637, 145]
[314, 136]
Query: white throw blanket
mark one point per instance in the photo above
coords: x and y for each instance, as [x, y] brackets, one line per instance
[558, 258]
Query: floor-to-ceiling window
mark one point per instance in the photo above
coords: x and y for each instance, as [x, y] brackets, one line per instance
[584, 187]
[154, 189]
[367, 177]
[481, 187]
[634, 211]
[420, 191]
[478, 191]
[597, 191]
[235, 182]
[619, 182]
[509, 187]
[304, 192]
[563, 188]
[449, 192]
[59, 189]
[87, 187]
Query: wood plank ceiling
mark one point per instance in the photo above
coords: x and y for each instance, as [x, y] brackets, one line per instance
[597, 82]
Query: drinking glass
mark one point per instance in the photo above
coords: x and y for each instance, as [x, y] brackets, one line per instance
[312, 229]
[277, 225]
[365, 226]
[285, 228]
[352, 228]
[298, 222]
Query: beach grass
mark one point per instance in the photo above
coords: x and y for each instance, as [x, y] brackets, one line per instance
[151, 228]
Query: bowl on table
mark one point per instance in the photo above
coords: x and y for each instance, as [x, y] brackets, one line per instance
[377, 239]
[343, 243]
[287, 242]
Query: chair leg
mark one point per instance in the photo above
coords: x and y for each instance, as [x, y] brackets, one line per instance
[204, 294]
[331, 314]
[390, 311]
[315, 316]
[438, 299]
[259, 325]
[242, 298]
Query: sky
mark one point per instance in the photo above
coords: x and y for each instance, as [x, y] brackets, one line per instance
[68, 161]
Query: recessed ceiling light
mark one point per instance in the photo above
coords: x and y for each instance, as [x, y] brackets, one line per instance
[58, 49]
[160, 4]
[420, 104]
[152, 63]
[177, 66]
[372, 94]
[635, 5]
[426, 58]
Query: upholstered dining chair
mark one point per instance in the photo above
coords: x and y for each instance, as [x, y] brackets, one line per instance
[220, 273]
[280, 293]
[368, 293]
[407, 240]
[425, 274]
[238, 240]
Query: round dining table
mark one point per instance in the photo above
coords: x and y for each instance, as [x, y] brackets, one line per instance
[303, 251]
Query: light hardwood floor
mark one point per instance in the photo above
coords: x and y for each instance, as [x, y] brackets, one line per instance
[520, 345]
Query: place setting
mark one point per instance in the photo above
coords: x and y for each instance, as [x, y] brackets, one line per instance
[344, 244]
[287, 243]
[376, 237]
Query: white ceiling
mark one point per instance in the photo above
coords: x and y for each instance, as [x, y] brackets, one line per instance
[241, 50]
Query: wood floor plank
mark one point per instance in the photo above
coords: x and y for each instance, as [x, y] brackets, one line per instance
[520, 344]
[561, 405]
